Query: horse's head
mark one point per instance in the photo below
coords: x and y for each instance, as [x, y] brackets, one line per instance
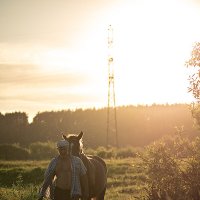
[76, 140]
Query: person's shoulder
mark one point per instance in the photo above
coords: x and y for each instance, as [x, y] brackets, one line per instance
[54, 160]
[76, 159]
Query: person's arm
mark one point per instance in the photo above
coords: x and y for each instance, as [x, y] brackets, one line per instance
[84, 181]
[48, 177]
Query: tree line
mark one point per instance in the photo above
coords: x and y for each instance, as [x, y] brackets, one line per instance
[137, 125]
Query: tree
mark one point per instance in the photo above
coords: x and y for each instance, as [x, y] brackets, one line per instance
[194, 79]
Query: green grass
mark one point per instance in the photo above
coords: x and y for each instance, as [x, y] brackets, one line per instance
[20, 180]
[126, 179]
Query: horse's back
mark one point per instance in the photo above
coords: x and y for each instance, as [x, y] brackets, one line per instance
[99, 159]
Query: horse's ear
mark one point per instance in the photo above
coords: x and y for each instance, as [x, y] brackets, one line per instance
[80, 135]
[64, 137]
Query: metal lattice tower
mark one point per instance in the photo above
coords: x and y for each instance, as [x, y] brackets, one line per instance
[112, 134]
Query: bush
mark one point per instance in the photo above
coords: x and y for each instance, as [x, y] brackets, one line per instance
[47, 150]
[106, 152]
[13, 152]
[126, 152]
[90, 151]
[112, 152]
[41, 151]
[172, 172]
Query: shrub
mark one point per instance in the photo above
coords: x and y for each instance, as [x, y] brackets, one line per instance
[125, 152]
[171, 176]
[106, 152]
[13, 152]
[90, 151]
[112, 152]
[42, 151]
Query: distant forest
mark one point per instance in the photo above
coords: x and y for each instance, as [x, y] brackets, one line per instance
[137, 125]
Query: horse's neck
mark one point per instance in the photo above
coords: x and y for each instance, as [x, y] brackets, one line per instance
[82, 155]
[84, 158]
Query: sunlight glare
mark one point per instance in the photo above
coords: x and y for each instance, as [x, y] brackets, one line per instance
[152, 42]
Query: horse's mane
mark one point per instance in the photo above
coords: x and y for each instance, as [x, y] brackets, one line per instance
[70, 136]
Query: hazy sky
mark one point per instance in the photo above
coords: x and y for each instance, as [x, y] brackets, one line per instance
[53, 54]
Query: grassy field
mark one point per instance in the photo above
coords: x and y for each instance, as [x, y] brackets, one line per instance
[20, 180]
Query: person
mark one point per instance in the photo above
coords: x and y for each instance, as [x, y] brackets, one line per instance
[65, 177]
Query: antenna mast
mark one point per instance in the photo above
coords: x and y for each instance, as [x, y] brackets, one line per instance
[112, 134]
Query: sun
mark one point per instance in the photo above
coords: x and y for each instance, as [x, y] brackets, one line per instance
[152, 40]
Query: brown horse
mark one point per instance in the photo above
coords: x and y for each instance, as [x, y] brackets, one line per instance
[96, 168]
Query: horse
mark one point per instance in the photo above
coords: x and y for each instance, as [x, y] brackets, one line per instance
[96, 167]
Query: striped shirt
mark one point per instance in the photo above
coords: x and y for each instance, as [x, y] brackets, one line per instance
[78, 169]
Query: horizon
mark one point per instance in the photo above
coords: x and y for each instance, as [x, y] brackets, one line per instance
[32, 115]
[53, 55]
